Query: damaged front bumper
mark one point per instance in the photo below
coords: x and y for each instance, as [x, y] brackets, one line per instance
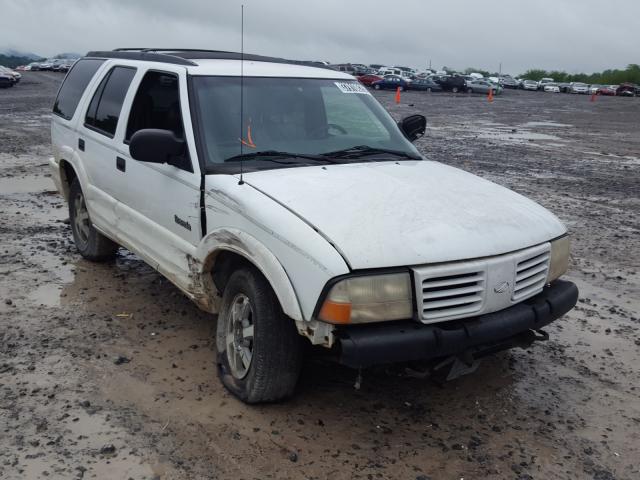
[366, 345]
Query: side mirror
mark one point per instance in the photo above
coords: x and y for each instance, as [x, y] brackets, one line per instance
[155, 146]
[413, 126]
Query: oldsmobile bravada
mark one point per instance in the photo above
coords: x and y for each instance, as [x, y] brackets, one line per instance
[284, 198]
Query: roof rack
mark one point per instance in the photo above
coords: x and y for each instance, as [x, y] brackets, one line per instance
[185, 56]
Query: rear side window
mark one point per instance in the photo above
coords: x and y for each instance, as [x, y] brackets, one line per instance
[104, 109]
[74, 85]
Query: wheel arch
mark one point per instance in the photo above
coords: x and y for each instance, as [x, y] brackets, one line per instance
[222, 250]
[67, 175]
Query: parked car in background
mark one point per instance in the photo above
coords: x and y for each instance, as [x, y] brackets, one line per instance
[46, 65]
[483, 86]
[390, 71]
[34, 66]
[425, 84]
[551, 88]
[543, 82]
[451, 83]
[578, 87]
[529, 85]
[391, 82]
[564, 87]
[344, 67]
[509, 82]
[595, 87]
[6, 80]
[15, 76]
[607, 90]
[368, 79]
[626, 90]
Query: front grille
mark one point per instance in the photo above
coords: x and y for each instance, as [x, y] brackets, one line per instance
[451, 295]
[531, 275]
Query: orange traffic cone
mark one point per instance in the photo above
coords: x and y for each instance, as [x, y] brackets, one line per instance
[593, 97]
[490, 97]
[398, 95]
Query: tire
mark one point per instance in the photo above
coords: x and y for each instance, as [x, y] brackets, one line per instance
[268, 349]
[401, 88]
[428, 89]
[454, 90]
[470, 90]
[91, 244]
[376, 87]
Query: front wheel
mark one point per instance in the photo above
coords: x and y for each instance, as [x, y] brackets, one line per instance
[429, 90]
[91, 244]
[454, 89]
[259, 348]
[377, 87]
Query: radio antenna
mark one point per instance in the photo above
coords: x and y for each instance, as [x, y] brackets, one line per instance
[241, 182]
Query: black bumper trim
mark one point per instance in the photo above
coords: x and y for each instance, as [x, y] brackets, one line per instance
[389, 342]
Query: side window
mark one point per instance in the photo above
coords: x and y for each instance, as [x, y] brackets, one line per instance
[74, 85]
[157, 105]
[104, 109]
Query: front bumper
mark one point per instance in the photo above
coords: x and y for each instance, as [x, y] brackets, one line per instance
[374, 344]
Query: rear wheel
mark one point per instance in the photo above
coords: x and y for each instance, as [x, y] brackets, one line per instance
[259, 348]
[91, 244]
[376, 86]
[454, 89]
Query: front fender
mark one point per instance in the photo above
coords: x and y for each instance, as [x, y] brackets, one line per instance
[237, 241]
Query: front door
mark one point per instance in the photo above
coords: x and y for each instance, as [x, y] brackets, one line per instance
[159, 210]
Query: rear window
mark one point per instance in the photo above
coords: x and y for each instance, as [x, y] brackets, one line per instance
[73, 87]
[104, 109]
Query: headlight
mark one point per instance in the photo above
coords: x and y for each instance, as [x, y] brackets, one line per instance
[559, 262]
[369, 298]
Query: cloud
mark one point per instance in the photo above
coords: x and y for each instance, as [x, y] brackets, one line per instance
[575, 35]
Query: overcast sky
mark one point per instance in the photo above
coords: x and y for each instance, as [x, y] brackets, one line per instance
[573, 35]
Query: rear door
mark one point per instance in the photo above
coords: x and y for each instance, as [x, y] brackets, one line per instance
[97, 130]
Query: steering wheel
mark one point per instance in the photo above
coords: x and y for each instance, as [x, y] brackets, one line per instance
[324, 130]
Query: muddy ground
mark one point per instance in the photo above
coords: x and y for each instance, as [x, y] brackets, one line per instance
[107, 371]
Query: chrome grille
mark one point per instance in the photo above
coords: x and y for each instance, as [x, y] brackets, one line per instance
[531, 275]
[451, 295]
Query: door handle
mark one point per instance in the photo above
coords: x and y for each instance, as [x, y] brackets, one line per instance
[121, 164]
[81, 144]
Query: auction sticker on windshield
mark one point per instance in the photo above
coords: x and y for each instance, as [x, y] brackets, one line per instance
[352, 87]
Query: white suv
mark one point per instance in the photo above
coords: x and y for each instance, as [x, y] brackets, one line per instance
[288, 201]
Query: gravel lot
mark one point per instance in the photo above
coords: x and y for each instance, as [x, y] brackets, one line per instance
[106, 371]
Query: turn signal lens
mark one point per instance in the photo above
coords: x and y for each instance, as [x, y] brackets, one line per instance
[370, 298]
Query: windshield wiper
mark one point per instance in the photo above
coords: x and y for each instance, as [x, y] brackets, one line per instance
[360, 151]
[272, 155]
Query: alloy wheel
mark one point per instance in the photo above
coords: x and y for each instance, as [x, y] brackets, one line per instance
[239, 336]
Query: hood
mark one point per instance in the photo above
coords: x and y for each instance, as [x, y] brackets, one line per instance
[385, 214]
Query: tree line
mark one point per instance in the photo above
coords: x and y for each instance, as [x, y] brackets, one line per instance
[608, 77]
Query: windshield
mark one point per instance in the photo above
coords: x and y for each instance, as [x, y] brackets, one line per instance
[296, 115]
